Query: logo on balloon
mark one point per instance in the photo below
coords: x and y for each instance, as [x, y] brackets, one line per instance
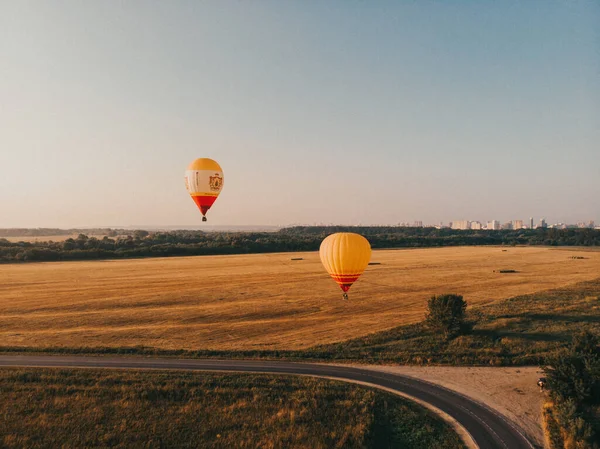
[215, 182]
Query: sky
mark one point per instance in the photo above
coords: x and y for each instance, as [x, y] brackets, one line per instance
[345, 112]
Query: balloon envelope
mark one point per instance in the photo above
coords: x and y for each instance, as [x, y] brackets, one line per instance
[204, 181]
[345, 256]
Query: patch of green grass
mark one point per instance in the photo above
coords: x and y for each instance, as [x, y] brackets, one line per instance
[116, 408]
[523, 330]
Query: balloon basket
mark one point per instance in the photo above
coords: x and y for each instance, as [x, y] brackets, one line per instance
[345, 296]
[204, 219]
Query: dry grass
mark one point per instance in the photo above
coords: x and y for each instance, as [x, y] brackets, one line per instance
[43, 408]
[257, 301]
[552, 433]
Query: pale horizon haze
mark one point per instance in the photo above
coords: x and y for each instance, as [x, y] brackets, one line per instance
[345, 112]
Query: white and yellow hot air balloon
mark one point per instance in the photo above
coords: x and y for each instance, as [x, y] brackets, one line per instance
[345, 256]
[204, 182]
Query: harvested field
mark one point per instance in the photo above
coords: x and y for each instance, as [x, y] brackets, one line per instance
[258, 301]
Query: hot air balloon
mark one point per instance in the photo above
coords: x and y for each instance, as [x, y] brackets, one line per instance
[204, 182]
[345, 256]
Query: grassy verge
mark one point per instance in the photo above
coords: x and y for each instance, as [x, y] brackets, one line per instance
[115, 408]
[552, 435]
[523, 330]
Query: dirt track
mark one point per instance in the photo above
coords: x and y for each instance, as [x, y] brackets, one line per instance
[511, 391]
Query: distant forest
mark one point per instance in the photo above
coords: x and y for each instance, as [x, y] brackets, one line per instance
[47, 232]
[301, 238]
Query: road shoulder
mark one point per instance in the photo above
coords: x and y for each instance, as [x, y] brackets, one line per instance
[510, 391]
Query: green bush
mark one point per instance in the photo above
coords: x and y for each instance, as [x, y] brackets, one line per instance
[574, 381]
[446, 314]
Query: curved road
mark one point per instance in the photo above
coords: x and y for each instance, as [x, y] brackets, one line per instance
[489, 429]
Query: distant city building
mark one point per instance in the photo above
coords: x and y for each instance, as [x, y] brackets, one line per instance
[461, 224]
[590, 224]
[418, 224]
[493, 225]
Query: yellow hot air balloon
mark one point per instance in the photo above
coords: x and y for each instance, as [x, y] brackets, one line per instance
[204, 182]
[345, 256]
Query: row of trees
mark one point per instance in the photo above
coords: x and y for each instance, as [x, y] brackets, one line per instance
[394, 236]
[193, 243]
[46, 232]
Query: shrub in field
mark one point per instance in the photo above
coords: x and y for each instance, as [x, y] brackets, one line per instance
[446, 314]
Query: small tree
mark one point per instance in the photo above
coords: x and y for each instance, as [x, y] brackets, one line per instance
[140, 234]
[446, 314]
[574, 381]
[575, 372]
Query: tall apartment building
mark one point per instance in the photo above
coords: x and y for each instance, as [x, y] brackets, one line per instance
[461, 224]
[493, 225]
[476, 225]
[508, 225]
[517, 224]
[543, 223]
[530, 222]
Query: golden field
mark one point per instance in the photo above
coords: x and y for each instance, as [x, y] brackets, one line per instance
[262, 301]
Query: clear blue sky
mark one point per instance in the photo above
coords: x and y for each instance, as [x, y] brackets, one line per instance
[335, 111]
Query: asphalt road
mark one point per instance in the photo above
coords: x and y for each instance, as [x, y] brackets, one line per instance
[489, 429]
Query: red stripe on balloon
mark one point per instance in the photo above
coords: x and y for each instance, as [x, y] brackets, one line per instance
[204, 202]
[345, 279]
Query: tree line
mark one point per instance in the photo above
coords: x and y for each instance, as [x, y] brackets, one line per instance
[194, 243]
[574, 381]
[47, 232]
